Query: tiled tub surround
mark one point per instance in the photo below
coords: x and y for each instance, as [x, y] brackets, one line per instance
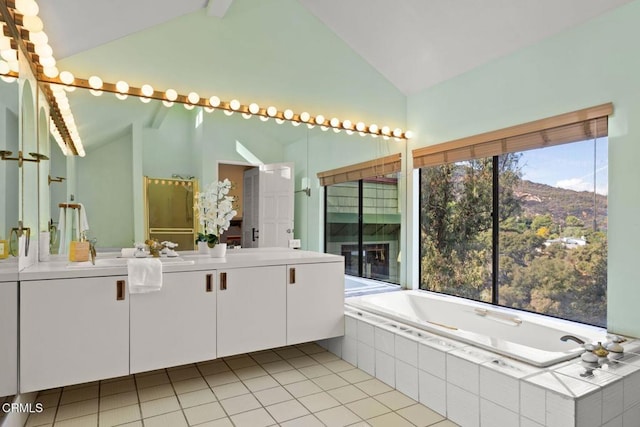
[474, 387]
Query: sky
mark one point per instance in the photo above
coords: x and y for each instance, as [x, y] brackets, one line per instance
[569, 166]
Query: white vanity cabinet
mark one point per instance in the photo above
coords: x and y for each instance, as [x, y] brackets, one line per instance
[176, 325]
[315, 301]
[251, 309]
[73, 331]
[8, 338]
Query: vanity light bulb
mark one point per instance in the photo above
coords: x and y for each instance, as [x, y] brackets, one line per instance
[409, 134]
[66, 77]
[32, 23]
[8, 79]
[264, 118]
[296, 124]
[5, 42]
[171, 95]
[324, 128]
[122, 86]
[214, 101]
[319, 119]
[95, 82]
[9, 55]
[44, 50]
[193, 97]
[287, 114]
[4, 67]
[27, 7]
[246, 116]
[189, 106]
[209, 109]
[51, 72]
[385, 130]
[234, 104]
[147, 90]
[95, 92]
[337, 130]
[272, 111]
[47, 62]
[228, 113]
[374, 128]
[38, 38]
[14, 65]
[334, 122]
[145, 100]
[397, 132]
[310, 126]
[360, 126]
[279, 120]
[347, 124]
[254, 108]
[304, 116]
[122, 96]
[167, 104]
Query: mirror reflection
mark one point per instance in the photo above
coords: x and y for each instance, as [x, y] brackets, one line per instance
[9, 173]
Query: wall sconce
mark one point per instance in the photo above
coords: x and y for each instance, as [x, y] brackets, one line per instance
[37, 157]
[306, 188]
[56, 179]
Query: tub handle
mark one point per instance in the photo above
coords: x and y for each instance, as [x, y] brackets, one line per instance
[498, 316]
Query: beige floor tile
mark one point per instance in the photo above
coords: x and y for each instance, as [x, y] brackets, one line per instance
[238, 404]
[266, 357]
[184, 373]
[113, 401]
[71, 395]
[85, 421]
[195, 398]
[337, 417]
[395, 400]
[222, 422]
[328, 382]
[314, 371]
[159, 406]
[171, 419]
[367, 408]
[306, 421]
[339, 366]
[156, 392]
[43, 418]
[325, 357]
[359, 424]
[355, 375]
[49, 400]
[152, 380]
[260, 383]
[302, 361]
[256, 418]
[420, 415]
[132, 424]
[347, 394]
[286, 411]
[303, 388]
[273, 395]
[77, 409]
[230, 390]
[115, 387]
[117, 416]
[373, 387]
[289, 353]
[310, 348]
[215, 367]
[276, 367]
[250, 372]
[192, 384]
[319, 401]
[288, 377]
[203, 413]
[240, 362]
[222, 378]
[389, 420]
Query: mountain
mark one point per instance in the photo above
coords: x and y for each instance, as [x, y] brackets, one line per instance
[540, 199]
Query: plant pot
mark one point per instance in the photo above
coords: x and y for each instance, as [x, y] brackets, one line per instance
[219, 250]
[203, 248]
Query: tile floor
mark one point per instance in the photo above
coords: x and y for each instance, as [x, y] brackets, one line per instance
[301, 385]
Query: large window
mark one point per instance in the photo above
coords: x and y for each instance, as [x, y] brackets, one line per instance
[523, 229]
[362, 223]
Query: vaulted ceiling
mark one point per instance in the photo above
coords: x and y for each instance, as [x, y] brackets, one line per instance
[414, 44]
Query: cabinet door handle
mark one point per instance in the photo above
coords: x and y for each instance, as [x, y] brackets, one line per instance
[223, 281]
[292, 276]
[120, 290]
[209, 282]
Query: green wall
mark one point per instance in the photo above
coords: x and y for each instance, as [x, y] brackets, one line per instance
[589, 65]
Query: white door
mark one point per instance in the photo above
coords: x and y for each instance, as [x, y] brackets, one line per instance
[268, 206]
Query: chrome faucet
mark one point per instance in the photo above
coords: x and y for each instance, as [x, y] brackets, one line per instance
[92, 250]
[566, 338]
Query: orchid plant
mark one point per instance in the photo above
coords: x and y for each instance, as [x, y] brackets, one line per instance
[215, 211]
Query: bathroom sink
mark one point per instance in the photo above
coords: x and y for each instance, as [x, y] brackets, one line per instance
[122, 262]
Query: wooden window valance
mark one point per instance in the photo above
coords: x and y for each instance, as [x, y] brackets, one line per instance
[570, 127]
[373, 168]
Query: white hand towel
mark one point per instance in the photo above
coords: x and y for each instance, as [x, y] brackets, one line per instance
[62, 224]
[83, 223]
[145, 275]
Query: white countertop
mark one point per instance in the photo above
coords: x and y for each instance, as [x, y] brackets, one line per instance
[60, 268]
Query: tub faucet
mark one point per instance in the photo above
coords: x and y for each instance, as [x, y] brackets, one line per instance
[566, 338]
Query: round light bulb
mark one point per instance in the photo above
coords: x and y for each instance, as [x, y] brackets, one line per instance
[310, 126]
[287, 114]
[246, 116]
[214, 101]
[4, 67]
[8, 79]
[234, 104]
[337, 130]
[228, 113]
[9, 55]
[47, 61]
[145, 100]
[38, 38]
[324, 128]
[385, 130]
[44, 50]
[122, 96]
[304, 116]
[51, 72]
[254, 108]
[167, 104]
[66, 77]
[334, 122]
[5, 42]
[95, 82]
[409, 134]
[279, 120]
[171, 94]
[272, 111]
[189, 106]
[347, 124]
[32, 23]
[296, 124]
[374, 128]
[360, 126]
[209, 109]
[70, 88]
[193, 97]
[14, 65]
[95, 92]
[264, 118]
[397, 132]
[319, 119]
[147, 90]
[27, 7]
[122, 86]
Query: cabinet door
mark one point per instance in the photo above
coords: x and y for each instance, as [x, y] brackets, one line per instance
[8, 338]
[315, 301]
[73, 331]
[176, 325]
[251, 309]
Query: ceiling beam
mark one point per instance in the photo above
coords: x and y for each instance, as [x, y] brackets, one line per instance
[218, 7]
